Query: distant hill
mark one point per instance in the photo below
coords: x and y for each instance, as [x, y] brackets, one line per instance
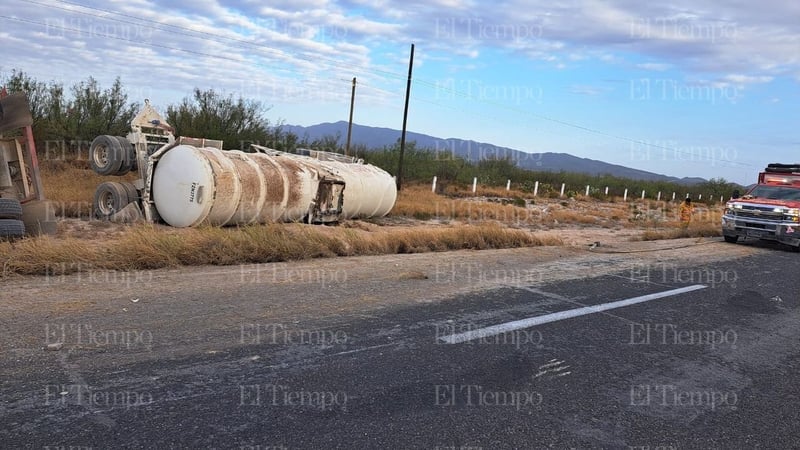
[375, 137]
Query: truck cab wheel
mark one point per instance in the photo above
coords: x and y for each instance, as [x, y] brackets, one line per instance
[11, 229]
[10, 209]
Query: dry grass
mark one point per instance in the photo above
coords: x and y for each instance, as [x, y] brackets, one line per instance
[485, 191]
[420, 203]
[96, 245]
[705, 223]
[694, 230]
[146, 246]
[572, 216]
[70, 186]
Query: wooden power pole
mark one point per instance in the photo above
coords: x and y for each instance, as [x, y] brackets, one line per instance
[350, 126]
[405, 120]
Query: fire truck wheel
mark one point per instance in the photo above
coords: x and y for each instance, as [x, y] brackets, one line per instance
[105, 155]
[109, 198]
[10, 209]
[11, 229]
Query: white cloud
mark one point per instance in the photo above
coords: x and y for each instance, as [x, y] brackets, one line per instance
[312, 44]
[752, 38]
[656, 67]
[588, 90]
[747, 79]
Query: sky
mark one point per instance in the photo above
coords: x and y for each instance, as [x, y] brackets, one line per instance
[689, 89]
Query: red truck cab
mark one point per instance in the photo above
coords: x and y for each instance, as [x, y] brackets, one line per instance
[769, 210]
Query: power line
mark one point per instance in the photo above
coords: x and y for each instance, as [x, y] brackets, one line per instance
[470, 97]
[526, 112]
[214, 37]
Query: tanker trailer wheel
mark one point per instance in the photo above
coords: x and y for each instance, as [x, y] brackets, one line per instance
[11, 229]
[133, 193]
[105, 155]
[10, 208]
[128, 156]
[109, 198]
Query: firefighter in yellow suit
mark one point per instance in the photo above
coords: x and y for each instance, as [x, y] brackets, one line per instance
[686, 212]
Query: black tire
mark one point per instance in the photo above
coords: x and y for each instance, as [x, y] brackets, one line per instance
[109, 197]
[125, 167]
[133, 194]
[731, 239]
[10, 208]
[128, 156]
[105, 155]
[11, 229]
[782, 168]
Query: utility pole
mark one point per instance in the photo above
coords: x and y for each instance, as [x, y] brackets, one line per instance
[405, 120]
[350, 126]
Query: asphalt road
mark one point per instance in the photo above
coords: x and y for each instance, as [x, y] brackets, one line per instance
[713, 363]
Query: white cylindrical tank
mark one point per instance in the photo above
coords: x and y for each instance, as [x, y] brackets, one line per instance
[193, 185]
[369, 191]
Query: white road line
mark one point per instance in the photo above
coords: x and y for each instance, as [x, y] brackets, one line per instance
[547, 318]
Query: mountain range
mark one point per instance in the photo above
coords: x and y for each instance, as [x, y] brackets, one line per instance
[375, 137]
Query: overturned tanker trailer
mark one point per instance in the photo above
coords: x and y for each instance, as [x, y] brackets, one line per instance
[186, 182]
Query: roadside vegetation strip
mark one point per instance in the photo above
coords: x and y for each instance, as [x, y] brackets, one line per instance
[698, 230]
[420, 203]
[144, 246]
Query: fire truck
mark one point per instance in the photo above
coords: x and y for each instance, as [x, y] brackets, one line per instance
[769, 210]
